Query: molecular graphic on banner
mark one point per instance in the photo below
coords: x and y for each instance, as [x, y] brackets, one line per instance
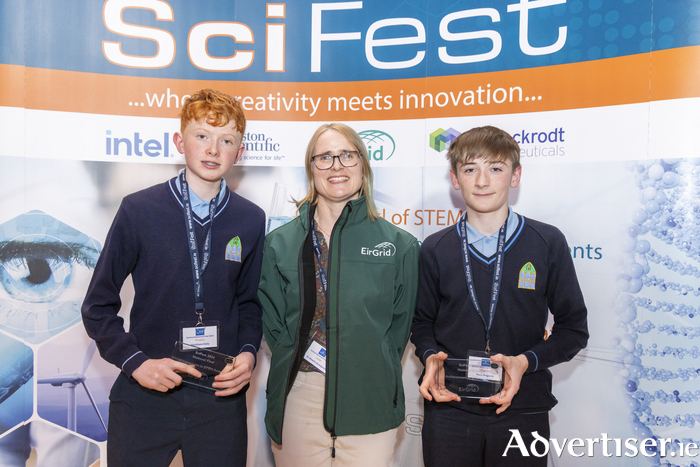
[657, 308]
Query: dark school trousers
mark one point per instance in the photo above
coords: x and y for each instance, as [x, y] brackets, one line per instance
[457, 438]
[147, 428]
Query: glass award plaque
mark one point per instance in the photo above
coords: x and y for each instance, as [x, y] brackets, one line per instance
[208, 362]
[475, 377]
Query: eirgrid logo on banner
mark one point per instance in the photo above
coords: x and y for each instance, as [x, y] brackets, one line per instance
[380, 145]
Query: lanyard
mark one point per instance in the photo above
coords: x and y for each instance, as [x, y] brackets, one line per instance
[197, 270]
[497, 270]
[321, 270]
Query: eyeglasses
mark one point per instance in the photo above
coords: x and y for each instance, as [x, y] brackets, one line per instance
[346, 159]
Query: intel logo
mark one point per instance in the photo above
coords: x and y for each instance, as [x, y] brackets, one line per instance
[137, 146]
[380, 145]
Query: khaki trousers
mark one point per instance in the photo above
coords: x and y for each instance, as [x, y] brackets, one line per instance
[306, 443]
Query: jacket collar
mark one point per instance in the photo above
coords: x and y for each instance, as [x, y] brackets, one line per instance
[356, 210]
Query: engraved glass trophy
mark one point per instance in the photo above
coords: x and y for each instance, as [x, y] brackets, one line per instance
[475, 377]
[207, 362]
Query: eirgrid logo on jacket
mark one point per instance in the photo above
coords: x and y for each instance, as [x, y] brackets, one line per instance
[383, 249]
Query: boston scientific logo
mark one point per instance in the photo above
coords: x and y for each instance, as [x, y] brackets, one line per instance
[441, 139]
[383, 249]
[380, 145]
[261, 147]
[260, 142]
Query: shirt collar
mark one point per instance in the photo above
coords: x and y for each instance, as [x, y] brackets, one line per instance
[196, 201]
[474, 235]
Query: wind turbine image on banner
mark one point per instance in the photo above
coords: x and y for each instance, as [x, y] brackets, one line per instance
[70, 381]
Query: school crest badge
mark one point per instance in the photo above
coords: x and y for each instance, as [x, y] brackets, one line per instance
[233, 250]
[527, 277]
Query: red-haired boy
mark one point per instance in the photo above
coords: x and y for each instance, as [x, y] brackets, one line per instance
[193, 249]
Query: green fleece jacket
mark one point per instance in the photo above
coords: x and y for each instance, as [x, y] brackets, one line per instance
[372, 281]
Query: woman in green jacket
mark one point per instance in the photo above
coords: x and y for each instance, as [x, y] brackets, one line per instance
[338, 290]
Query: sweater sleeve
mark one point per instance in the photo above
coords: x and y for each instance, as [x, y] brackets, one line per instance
[249, 309]
[102, 302]
[565, 301]
[427, 303]
[405, 288]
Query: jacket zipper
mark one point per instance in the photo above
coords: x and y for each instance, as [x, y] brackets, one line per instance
[337, 319]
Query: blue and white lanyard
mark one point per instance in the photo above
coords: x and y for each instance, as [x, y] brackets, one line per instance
[321, 270]
[197, 270]
[497, 274]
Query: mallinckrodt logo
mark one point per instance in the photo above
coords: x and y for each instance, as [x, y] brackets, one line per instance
[441, 139]
[380, 145]
[383, 249]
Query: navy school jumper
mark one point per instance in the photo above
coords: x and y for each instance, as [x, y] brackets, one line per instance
[148, 240]
[446, 320]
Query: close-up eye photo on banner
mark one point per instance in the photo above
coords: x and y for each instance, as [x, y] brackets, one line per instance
[45, 267]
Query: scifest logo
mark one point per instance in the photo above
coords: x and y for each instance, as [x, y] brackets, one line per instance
[383, 249]
[233, 250]
[526, 279]
[441, 139]
[380, 145]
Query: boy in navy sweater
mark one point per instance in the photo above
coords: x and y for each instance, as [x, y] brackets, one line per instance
[193, 249]
[476, 296]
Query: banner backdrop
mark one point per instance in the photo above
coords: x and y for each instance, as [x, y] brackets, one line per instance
[603, 98]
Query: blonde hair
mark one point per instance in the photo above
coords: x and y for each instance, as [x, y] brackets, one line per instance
[367, 176]
[214, 107]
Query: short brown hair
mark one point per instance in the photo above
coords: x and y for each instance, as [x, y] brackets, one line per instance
[213, 107]
[367, 178]
[487, 142]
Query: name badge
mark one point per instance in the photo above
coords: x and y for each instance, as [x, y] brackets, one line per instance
[484, 369]
[203, 337]
[316, 355]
